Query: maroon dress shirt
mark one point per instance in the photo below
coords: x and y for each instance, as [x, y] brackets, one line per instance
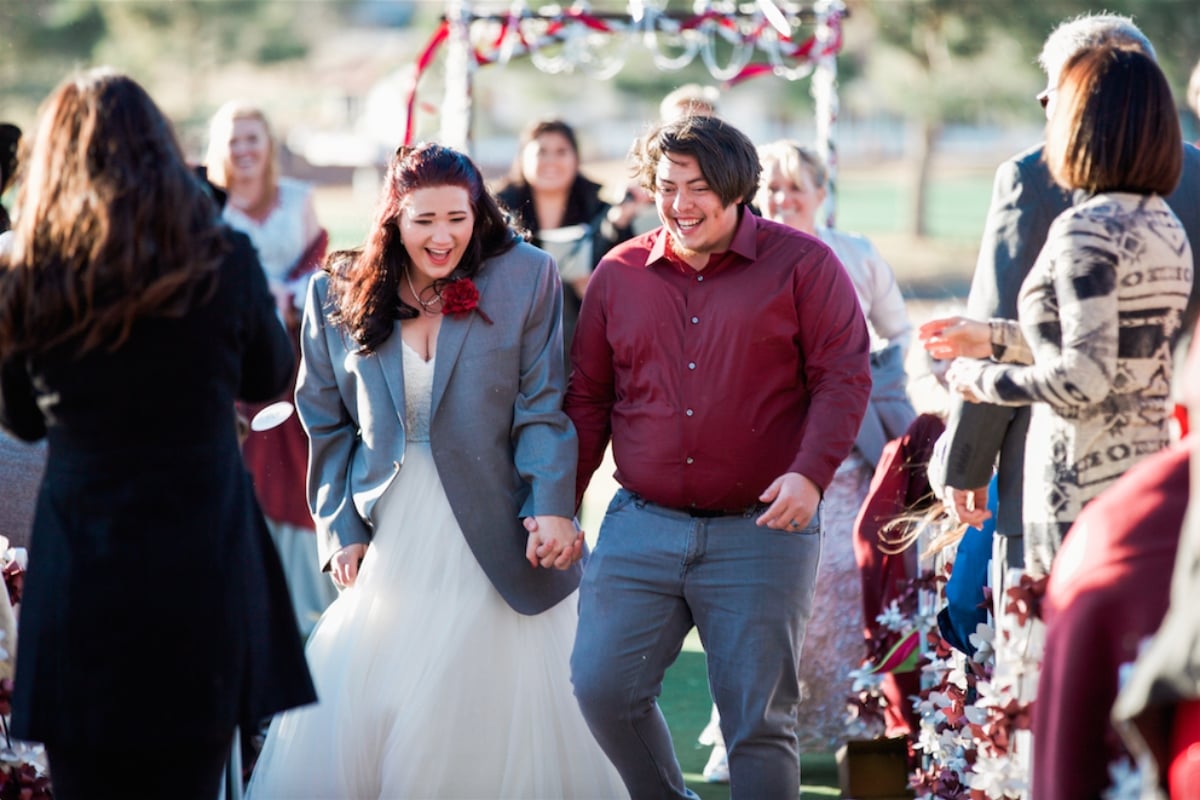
[714, 383]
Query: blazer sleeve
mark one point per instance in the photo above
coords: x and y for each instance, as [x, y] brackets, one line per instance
[333, 435]
[19, 412]
[1024, 203]
[268, 359]
[545, 445]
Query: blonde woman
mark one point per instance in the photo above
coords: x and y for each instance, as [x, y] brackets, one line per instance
[279, 217]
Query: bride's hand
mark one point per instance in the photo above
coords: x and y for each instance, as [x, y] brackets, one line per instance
[343, 567]
[553, 542]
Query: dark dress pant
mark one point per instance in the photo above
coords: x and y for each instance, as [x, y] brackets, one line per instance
[184, 772]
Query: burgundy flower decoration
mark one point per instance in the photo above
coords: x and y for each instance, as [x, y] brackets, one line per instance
[1025, 599]
[461, 297]
[14, 581]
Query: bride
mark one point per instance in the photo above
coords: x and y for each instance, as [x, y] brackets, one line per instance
[431, 392]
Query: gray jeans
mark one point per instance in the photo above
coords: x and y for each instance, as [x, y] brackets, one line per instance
[656, 572]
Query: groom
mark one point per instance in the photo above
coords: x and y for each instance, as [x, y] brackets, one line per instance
[726, 356]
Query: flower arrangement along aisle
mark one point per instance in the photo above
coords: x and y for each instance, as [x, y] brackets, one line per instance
[24, 774]
[971, 742]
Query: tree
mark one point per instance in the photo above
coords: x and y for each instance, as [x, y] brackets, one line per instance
[171, 47]
[938, 61]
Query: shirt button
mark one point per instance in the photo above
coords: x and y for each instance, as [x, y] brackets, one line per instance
[691, 365]
[699, 279]
[690, 460]
[688, 412]
[695, 320]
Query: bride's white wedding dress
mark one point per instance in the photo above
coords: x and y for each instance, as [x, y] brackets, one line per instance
[430, 685]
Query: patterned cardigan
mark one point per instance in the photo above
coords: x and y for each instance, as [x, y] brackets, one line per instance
[1091, 353]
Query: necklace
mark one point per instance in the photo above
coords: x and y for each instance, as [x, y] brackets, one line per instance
[427, 305]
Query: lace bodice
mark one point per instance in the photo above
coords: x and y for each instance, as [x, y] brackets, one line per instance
[280, 239]
[418, 394]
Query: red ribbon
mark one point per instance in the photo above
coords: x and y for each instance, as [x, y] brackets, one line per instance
[423, 61]
[804, 51]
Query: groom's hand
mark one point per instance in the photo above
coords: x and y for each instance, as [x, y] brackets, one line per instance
[553, 542]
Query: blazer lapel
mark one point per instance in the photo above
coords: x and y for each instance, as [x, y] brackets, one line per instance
[388, 360]
[450, 341]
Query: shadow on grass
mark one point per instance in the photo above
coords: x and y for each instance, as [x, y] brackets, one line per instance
[686, 703]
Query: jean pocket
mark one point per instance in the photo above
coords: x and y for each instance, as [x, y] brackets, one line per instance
[620, 500]
[813, 528]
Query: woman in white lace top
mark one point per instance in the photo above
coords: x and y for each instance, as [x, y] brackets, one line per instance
[277, 214]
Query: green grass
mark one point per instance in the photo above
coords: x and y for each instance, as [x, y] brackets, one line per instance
[879, 203]
[686, 704]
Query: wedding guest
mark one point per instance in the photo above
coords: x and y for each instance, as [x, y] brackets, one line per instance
[20, 463]
[278, 215]
[431, 390]
[155, 615]
[1157, 709]
[792, 190]
[1193, 91]
[1105, 596]
[986, 437]
[10, 137]
[1090, 351]
[691, 98]
[726, 357]
[562, 209]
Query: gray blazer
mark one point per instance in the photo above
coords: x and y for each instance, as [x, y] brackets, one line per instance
[1025, 200]
[502, 445]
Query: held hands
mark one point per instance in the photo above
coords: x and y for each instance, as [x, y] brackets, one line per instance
[553, 541]
[951, 337]
[793, 498]
[343, 567]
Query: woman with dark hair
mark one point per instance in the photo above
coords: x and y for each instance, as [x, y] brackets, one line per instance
[1091, 348]
[562, 210]
[431, 390]
[155, 616]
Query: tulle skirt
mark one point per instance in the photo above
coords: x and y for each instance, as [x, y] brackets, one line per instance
[430, 685]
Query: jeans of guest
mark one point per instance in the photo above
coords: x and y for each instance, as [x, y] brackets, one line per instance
[656, 572]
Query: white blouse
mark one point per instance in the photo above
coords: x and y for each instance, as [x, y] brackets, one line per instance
[876, 287]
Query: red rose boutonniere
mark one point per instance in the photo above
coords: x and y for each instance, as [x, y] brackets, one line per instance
[462, 297]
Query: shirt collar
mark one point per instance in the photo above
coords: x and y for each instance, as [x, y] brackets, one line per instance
[744, 243]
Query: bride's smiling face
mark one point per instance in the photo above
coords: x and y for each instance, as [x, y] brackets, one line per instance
[436, 225]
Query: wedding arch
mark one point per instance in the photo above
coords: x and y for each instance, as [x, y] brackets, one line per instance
[787, 40]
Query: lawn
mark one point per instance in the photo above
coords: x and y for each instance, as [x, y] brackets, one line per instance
[877, 202]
